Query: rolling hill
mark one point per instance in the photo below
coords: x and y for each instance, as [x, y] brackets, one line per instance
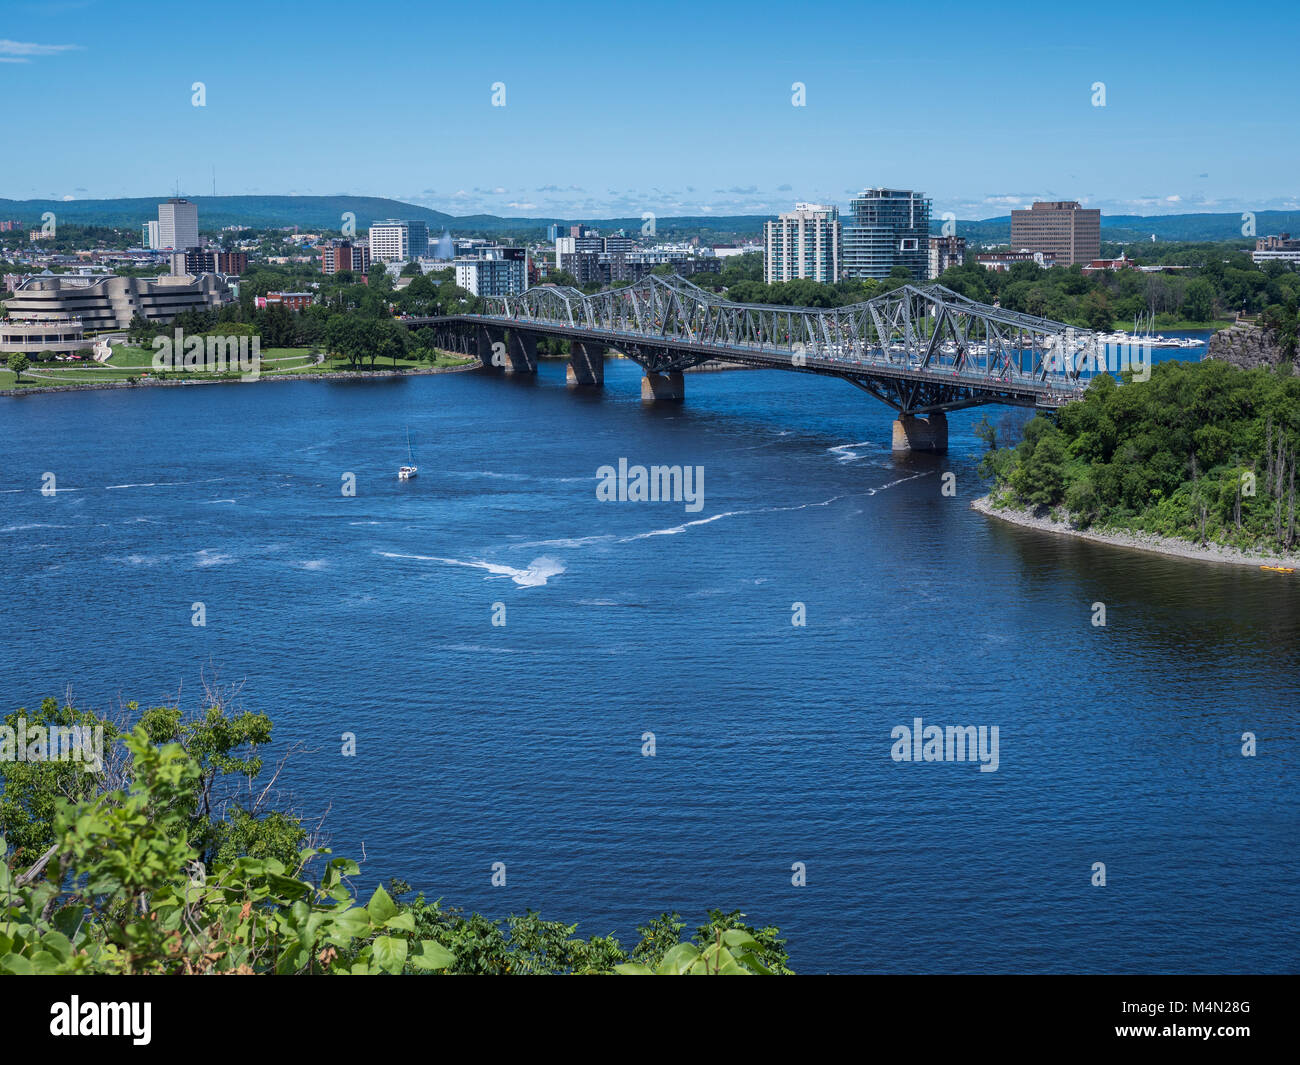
[326, 212]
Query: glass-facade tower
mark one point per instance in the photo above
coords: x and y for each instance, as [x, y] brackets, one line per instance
[887, 228]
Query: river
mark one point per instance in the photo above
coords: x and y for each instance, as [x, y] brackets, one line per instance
[522, 743]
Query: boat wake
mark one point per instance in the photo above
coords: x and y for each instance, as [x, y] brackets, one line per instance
[901, 480]
[845, 452]
[534, 575]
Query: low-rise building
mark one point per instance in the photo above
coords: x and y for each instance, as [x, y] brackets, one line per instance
[293, 301]
[1095, 265]
[31, 336]
[111, 302]
[1280, 248]
[1005, 260]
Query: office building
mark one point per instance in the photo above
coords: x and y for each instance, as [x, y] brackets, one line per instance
[886, 228]
[178, 225]
[803, 243]
[946, 252]
[1282, 248]
[151, 238]
[417, 240]
[1069, 233]
[393, 241]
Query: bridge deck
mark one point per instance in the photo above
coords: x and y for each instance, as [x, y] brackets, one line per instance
[964, 389]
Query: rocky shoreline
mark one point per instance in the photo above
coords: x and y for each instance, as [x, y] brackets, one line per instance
[1247, 346]
[1136, 541]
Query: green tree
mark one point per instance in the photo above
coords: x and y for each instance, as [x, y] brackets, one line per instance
[1198, 303]
[1040, 480]
[127, 885]
[18, 365]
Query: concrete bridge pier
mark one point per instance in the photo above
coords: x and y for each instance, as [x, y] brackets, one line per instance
[486, 346]
[662, 387]
[586, 365]
[921, 434]
[521, 353]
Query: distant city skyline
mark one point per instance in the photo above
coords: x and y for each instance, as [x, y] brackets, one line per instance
[679, 110]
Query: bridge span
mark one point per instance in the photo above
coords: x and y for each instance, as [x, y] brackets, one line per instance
[923, 349]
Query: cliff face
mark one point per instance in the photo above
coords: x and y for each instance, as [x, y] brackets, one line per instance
[1248, 346]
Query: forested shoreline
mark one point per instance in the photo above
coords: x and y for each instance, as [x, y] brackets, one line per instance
[1202, 452]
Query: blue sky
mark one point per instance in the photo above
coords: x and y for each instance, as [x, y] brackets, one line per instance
[674, 108]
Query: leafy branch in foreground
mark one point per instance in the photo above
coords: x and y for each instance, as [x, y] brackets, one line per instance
[126, 893]
[142, 879]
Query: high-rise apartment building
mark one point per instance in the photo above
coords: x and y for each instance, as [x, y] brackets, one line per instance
[803, 243]
[887, 228]
[1060, 228]
[339, 255]
[946, 252]
[178, 225]
[498, 272]
[196, 261]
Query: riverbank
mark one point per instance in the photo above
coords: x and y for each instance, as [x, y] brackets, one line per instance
[1056, 521]
[154, 382]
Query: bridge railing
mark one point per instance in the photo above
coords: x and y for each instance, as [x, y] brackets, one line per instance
[927, 330]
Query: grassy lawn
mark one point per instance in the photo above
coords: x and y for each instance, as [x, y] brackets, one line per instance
[334, 364]
[7, 380]
[129, 355]
[131, 361]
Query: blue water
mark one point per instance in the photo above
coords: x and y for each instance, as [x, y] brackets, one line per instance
[522, 744]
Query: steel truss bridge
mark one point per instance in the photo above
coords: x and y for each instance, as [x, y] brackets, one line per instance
[922, 349]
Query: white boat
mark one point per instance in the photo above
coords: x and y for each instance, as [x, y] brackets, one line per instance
[405, 473]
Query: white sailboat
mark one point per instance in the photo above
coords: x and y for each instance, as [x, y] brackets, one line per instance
[405, 473]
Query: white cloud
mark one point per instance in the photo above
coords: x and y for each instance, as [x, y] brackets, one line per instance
[24, 51]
